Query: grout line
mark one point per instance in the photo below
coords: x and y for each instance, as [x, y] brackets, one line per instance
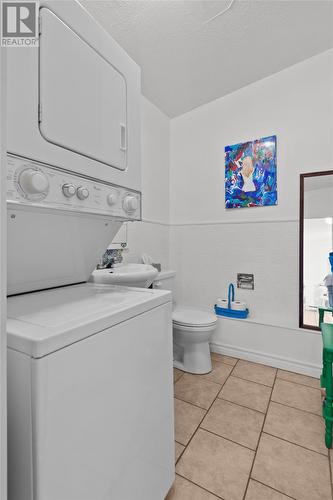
[241, 406]
[197, 405]
[196, 430]
[200, 422]
[193, 404]
[181, 451]
[218, 383]
[223, 363]
[296, 383]
[274, 368]
[274, 489]
[260, 435]
[232, 365]
[233, 368]
[180, 376]
[244, 406]
[202, 375]
[299, 383]
[278, 437]
[199, 426]
[295, 444]
[227, 439]
[253, 381]
[261, 432]
[198, 485]
[295, 408]
[270, 400]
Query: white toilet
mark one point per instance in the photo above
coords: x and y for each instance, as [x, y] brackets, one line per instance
[192, 330]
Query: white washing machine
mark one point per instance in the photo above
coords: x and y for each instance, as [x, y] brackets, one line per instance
[90, 394]
[89, 366]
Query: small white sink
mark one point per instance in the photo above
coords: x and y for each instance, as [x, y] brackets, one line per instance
[139, 275]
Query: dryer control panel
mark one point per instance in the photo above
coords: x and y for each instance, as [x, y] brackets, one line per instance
[33, 183]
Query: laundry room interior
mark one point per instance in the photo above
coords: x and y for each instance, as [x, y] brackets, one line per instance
[166, 253]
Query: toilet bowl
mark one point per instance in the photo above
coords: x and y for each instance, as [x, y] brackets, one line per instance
[192, 330]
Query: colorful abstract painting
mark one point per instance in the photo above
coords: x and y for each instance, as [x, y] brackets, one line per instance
[250, 174]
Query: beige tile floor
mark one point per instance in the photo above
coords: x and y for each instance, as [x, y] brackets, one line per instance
[249, 432]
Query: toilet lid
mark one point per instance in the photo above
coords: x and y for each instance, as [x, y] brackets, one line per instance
[193, 317]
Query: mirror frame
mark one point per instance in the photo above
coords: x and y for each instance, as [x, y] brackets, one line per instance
[301, 237]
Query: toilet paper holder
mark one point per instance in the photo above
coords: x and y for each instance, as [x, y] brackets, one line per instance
[230, 312]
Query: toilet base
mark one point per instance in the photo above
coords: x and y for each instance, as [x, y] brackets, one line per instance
[194, 359]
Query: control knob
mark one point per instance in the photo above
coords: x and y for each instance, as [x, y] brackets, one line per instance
[33, 181]
[112, 198]
[130, 204]
[82, 193]
[68, 190]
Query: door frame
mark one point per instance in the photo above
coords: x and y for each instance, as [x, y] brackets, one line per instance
[3, 280]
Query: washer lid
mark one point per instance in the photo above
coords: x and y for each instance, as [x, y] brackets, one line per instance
[193, 317]
[42, 322]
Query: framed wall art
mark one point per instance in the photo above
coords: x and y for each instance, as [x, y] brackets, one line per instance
[251, 173]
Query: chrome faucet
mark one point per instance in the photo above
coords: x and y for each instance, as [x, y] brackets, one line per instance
[111, 257]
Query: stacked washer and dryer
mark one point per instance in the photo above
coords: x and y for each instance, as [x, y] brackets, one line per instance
[90, 413]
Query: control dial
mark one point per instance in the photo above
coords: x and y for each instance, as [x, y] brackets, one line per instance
[33, 182]
[112, 198]
[82, 193]
[130, 204]
[68, 190]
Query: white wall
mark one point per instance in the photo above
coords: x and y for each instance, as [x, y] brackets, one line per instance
[185, 225]
[209, 244]
[295, 104]
[152, 235]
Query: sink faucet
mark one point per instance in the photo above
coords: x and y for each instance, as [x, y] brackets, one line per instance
[111, 257]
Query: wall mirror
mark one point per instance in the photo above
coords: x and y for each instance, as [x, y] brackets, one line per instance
[316, 243]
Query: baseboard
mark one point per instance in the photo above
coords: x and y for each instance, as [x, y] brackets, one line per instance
[289, 364]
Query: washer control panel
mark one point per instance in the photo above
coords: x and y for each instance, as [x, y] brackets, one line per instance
[33, 183]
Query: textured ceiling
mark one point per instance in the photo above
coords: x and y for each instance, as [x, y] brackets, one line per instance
[187, 62]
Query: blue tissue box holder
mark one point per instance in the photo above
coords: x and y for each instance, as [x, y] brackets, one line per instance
[231, 313]
[227, 311]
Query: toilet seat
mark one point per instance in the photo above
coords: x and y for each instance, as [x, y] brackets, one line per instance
[193, 318]
[194, 330]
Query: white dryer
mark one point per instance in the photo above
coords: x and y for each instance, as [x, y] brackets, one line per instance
[90, 407]
[74, 101]
[74, 160]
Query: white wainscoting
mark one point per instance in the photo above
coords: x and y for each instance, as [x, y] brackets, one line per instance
[290, 349]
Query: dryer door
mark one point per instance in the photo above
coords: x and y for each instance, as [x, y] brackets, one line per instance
[82, 97]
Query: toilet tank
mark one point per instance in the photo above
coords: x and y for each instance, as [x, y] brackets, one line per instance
[165, 280]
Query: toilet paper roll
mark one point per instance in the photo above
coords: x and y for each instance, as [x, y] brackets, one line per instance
[222, 303]
[238, 306]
